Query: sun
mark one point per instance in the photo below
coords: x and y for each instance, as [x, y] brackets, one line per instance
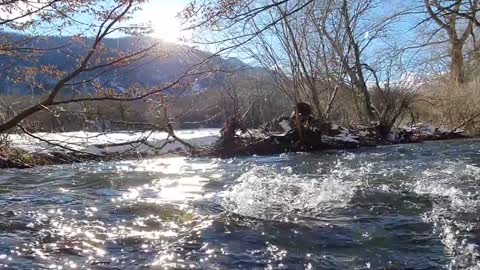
[165, 24]
[167, 29]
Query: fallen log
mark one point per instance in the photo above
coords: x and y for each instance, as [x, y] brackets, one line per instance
[325, 136]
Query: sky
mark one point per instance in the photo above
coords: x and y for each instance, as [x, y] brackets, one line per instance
[161, 13]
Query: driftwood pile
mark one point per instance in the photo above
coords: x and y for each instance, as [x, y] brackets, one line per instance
[302, 133]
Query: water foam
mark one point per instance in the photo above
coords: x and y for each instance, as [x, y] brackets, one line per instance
[454, 203]
[272, 193]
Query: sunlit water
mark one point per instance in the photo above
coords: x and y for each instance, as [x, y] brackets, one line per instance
[393, 207]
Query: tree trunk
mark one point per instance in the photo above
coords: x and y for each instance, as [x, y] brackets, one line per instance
[366, 100]
[457, 71]
[356, 74]
[317, 105]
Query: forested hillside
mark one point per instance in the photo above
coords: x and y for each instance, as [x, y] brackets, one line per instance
[63, 53]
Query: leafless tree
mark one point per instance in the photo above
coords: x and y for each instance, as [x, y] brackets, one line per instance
[313, 48]
[458, 20]
[296, 56]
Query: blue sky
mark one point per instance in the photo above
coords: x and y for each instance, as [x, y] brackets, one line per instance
[162, 16]
[160, 13]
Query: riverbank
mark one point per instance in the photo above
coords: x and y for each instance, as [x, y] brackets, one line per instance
[15, 158]
[65, 148]
[326, 137]
[11, 157]
[39, 149]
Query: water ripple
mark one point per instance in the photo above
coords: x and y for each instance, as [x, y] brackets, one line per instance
[391, 207]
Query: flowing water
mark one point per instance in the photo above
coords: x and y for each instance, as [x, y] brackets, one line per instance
[393, 207]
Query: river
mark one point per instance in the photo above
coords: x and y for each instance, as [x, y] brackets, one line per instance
[391, 207]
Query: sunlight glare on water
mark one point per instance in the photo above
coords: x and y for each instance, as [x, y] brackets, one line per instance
[363, 209]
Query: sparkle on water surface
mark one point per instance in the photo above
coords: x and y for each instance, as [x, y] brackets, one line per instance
[394, 207]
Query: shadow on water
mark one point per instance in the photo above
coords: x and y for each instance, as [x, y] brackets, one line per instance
[391, 207]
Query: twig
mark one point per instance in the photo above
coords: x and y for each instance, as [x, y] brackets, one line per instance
[465, 122]
[56, 144]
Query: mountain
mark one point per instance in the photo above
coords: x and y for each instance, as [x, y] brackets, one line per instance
[64, 53]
